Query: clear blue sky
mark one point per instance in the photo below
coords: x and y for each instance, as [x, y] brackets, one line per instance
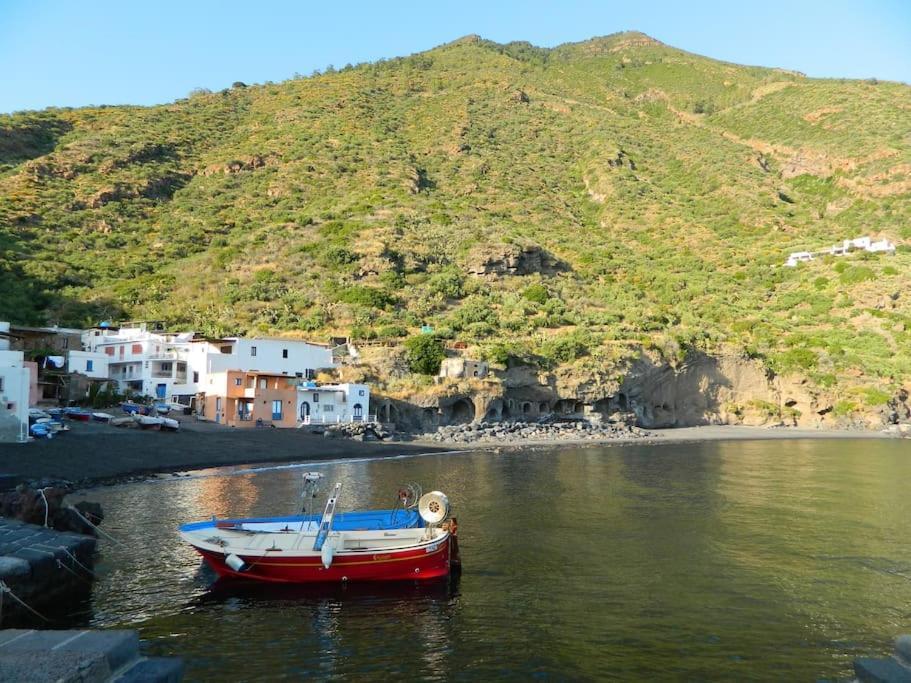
[71, 53]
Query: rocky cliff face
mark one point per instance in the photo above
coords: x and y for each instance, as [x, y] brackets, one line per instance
[647, 391]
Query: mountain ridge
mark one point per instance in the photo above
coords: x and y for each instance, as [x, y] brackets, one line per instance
[526, 204]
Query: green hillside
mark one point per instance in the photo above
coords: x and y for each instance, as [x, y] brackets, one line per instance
[615, 189]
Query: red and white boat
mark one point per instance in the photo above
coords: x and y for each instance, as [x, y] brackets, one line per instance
[378, 545]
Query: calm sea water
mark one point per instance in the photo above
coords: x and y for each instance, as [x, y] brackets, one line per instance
[766, 560]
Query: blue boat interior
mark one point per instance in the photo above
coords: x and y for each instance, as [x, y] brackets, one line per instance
[365, 520]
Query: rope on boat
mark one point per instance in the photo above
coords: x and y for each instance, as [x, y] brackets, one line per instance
[74, 559]
[6, 589]
[95, 526]
[68, 554]
[44, 498]
[60, 565]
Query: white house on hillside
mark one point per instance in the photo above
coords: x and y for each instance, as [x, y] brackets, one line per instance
[847, 246]
[326, 403]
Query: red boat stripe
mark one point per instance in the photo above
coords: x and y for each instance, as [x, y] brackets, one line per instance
[342, 561]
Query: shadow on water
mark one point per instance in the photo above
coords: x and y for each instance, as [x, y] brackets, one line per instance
[252, 594]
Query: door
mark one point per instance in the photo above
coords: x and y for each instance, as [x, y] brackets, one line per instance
[305, 411]
[161, 390]
[358, 411]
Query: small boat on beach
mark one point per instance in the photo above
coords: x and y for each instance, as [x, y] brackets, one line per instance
[102, 417]
[147, 421]
[169, 424]
[162, 408]
[78, 414]
[130, 408]
[413, 541]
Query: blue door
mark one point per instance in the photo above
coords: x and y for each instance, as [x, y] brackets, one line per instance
[160, 390]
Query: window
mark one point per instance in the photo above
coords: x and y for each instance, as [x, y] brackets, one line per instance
[218, 403]
[89, 365]
[195, 377]
[137, 348]
[328, 408]
[66, 342]
[276, 410]
[109, 350]
[166, 367]
[252, 350]
[360, 392]
[225, 349]
[310, 373]
[316, 398]
[284, 353]
[237, 381]
[263, 383]
[1, 384]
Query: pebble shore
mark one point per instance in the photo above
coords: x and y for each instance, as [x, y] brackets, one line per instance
[508, 433]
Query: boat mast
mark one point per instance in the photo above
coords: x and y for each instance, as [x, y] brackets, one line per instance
[325, 525]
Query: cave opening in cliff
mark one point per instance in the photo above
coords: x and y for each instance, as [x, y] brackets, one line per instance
[461, 411]
[430, 415]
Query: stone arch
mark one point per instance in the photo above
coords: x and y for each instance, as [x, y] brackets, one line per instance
[494, 411]
[461, 411]
[564, 406]
[430, 416]
[603, 406]
[543, 407]
[526, 407]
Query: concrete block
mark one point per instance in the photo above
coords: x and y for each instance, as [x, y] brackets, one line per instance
[153, 670]
[870, 670]
[13, 568]
[53, 666]
[118, 647]
[903, 649]
[43, 565]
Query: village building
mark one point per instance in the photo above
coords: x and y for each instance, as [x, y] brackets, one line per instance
[15, 380]
[44, 352]
[459, 368]
[328, 403]
[241, 398]
[847, 246]
[177, 367]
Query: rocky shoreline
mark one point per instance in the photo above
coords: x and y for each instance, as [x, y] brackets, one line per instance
[511, 433]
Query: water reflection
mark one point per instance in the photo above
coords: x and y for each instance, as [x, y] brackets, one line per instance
[727, 560]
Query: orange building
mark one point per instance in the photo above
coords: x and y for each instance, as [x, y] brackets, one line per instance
[248, 399]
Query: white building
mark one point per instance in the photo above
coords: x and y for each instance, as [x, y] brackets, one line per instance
[858, 243]
[91, 364]
[14, 388]
[326, 403]
[177, 366]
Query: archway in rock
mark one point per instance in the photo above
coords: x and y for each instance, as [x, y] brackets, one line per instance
[461, 411]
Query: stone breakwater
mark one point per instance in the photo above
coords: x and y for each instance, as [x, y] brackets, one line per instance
[518, 432]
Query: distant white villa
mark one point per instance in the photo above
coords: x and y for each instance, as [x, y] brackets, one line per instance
[858, 243]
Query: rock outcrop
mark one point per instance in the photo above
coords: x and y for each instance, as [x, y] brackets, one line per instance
[501, 260]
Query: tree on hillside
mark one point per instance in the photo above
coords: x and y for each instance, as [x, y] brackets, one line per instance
[424, 353]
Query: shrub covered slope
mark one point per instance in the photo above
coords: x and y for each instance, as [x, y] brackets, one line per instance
[535, 202]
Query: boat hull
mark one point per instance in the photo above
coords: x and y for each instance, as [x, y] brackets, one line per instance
[413, 564]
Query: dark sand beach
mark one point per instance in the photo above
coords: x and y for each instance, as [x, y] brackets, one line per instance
[94, 453]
